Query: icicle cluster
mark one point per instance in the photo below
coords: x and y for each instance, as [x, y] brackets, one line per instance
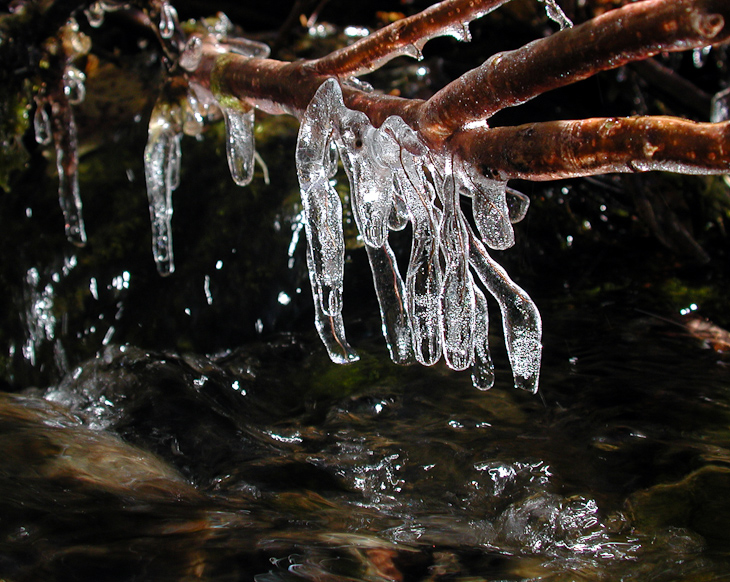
[438, 310]
[172, 118]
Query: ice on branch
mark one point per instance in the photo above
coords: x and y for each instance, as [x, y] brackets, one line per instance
[395, 179]
[54, 120]
[162, 159]
[176, 115]
[556, 14]
[239, 143]
[63, 124]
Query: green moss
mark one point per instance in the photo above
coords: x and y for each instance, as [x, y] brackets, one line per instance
[15, 100]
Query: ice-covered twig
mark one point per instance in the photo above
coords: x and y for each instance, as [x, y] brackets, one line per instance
[404, 37]
[239, 143]
[394, 178]
[636, 31]
[410, 160]
[64, 87]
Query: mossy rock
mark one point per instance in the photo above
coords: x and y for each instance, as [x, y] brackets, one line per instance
[698, 502]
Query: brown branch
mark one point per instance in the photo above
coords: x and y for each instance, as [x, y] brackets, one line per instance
[280, 87]
[540, 151]
[567, 149]
[634, 32]
[363, 56]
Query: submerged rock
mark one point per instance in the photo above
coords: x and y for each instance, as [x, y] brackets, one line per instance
[698, 503]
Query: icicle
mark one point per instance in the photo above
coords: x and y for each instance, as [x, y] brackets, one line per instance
[423, 287]
[699, 56]
[331, 328]
[457, 290]
[398, 217]
[162, 161]
[520, 318]
[371, 183]
[460, 32]
[518, 205]
[322, 205]
[413, 51]
[168, 20]
[66, 145]
[391, 298]
[402, 151]
[482, 371]
[240, 142]
[491, 214]
[394, 178]
[192, 54]
[194, 113]
[556, 14]
[720, 106]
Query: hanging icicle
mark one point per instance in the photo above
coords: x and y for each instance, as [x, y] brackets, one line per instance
[162, 159]
[395, 178]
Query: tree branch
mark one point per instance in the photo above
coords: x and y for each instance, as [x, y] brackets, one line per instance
[634, 32]
[567, 149]
[406, 36]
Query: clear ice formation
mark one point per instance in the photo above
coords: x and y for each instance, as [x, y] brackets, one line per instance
[171, 119]
[438, 310]
[162, 159]
[54, 120]
[239, 143]
[556, 14]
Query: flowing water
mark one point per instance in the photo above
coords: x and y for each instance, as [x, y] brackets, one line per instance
[270, 463]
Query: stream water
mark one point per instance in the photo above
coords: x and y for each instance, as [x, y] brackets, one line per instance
[269, 463]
